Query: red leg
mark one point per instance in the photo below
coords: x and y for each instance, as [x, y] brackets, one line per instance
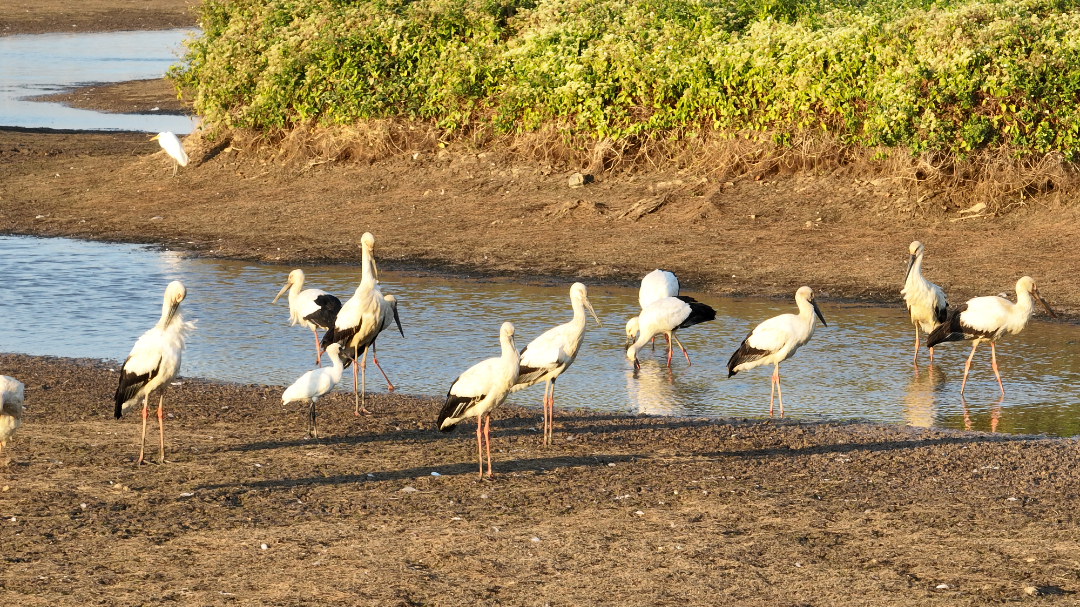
[480, 444]
[145, 414]
[363, 382]
[915, 361]
[375, 357]
[487, 439]
[669, 352]
[161, 426]
[967, 366]
[779, 392]
[993, 363]
[931, 356]
[683, 349]
[318, 349]
[355, 382]
[551, 412]
[772, 391]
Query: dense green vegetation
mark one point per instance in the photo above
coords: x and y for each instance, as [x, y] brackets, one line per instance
[950, 76]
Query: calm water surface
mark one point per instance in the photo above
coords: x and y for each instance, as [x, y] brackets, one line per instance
[41, 64]
[82, 299]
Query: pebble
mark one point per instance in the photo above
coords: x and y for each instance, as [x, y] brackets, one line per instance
[942, 586]
[264, 546]
[435, 474]
[410, 490]
[578, 180]
[535, 539]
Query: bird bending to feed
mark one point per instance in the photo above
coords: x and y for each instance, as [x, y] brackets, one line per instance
[172, 146]
[666, 316]
[316, 383]
[479, 390]
[776, 340]
[657, 284]
[547, 356]
[11, 408]
[312, 308]
[987, 319]
[360, 321]
[154, 362]
[924, 299]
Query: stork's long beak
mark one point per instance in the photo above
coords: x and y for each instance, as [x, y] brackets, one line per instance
[374, 266]
[588, 306]
[398, 321]
[282, 292]
[910, 264]
[1039, 299]
[173, 307]
[817, 311]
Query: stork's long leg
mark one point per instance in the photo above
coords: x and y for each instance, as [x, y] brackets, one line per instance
[161, 427]
[318, 349]
[967, 365]
[363, 383]
[676, 338]
[772, 388]
[779, 392]
[668, 352]
[480, 444]
[993, 363]
[547, 386]
[314, 433]
[145, 414]
[375, 357]
[487, 439]
[551, 412]
[915, 361]
[355, 381]
[931, 355]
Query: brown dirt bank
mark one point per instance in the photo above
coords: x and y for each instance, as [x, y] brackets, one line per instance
[621, 510]
[155, 96]
[44, 16]
[484, 214]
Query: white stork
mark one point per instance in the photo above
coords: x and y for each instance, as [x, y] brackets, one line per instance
[11, 408]
[361, 319]
[776, 340]
[154, 362]
[172, 146]
[657, 284]
[547, 356]
[316, 383]
[666, 316]
[312, 308]
[925, 300]
[479, 390]
[987, 319]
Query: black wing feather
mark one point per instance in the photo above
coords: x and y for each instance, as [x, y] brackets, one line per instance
[746, 353]
[455, 406]
[329, 306]
[699, 312]
[951, 329]
[130, 384]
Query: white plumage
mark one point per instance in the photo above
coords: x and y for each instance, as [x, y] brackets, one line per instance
[315, 383]
[657, 284]
[925, 300]
[154, 362]
[547, 356]
[310, 308]
[480, 389]
[666, 316]
[777, 340]
[987, 319]
[11, 408]
[172, 146]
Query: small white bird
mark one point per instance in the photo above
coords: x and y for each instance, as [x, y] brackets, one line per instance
[479, 390]
[657, 284]
[988, 318]
[154, 362]
[547, 356]
[666, 316]
[316, 383]
[312, 308]
[925, 300]
[11, 408]
[172, 146]
[776, 340]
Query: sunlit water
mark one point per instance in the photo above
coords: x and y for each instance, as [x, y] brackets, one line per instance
[81, 299]
[41, 64]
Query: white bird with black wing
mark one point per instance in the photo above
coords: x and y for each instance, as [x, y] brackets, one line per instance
[11, 408]
[777, 340]
[314, 384]
[666, 316]
[154, 362]
[310, 308]
[172, 146]
[925, 300]
[657, 284]
[479, 390]
[547, 356]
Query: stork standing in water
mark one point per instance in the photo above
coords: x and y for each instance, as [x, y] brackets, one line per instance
[776, 340]
[666, 316]
[924, 299]
[11, 408]
[154, 362]
[547, 356]
[316, 383]
[657, 284]
[988, 318]
[360, 321]
[172, 146]
[479, 390]
[312, 308]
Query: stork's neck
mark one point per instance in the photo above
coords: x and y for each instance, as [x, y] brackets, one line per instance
[509, 354]
[170, 313]
[579, 313]
[1025, 303]
[916, 269]
[806, 312]
[367, 269]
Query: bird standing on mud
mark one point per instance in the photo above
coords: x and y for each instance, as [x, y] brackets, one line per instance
[312, 308]
[154, 362]
[657, 284]
[988, 318]
[11, 408]
[776, 340]
[172, 146]
[315, 383]
[925, 300]
[666, 316]
[547, 356]
[480, 389]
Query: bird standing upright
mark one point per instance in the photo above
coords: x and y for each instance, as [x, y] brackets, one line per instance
[172, 146]
[312, 308]
[11, 408]
[316, 383]
[666, 316]
[987, 319]
[657, 284]
[547, 356]
[925, 300]
[154, 362]
[480, 389]
[776, 340]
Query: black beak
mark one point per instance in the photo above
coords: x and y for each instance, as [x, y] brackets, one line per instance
[398, 321]
[175, 306]
[910, 264]
[817, 311]
[1035, 294]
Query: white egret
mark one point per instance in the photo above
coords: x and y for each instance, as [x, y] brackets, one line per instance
[315, 383]
[172, 146]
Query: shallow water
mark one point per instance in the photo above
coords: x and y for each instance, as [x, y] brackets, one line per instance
[82, 299]
[43, 64]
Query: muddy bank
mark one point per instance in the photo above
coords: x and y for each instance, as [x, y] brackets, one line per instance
[45, 16]
[638, 510]
[156, 96]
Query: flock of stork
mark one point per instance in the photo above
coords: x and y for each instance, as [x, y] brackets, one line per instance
[351, 329]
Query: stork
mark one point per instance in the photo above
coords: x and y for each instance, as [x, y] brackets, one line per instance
[172, 146]
[11, 408]
[154, 362]
[776, 340]
[547, 356]
[987, 319]
[360, 321]
[666, 316]
[657, 284]
[480, 389]
[925, 300]
[316, 383]
[312, 308]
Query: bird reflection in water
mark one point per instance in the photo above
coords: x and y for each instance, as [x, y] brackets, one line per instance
[651, 389]
[995, 413]
[920, 395]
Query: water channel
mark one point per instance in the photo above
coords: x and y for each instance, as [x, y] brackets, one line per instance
[83, 299]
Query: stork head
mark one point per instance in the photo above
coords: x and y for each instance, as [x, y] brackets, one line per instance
[632, 330]
[390, 299]
[916, 250]
[1027, 284]
[807, 294]
[578, 292]
[506, 334]
[174, 294]
[296, 277]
